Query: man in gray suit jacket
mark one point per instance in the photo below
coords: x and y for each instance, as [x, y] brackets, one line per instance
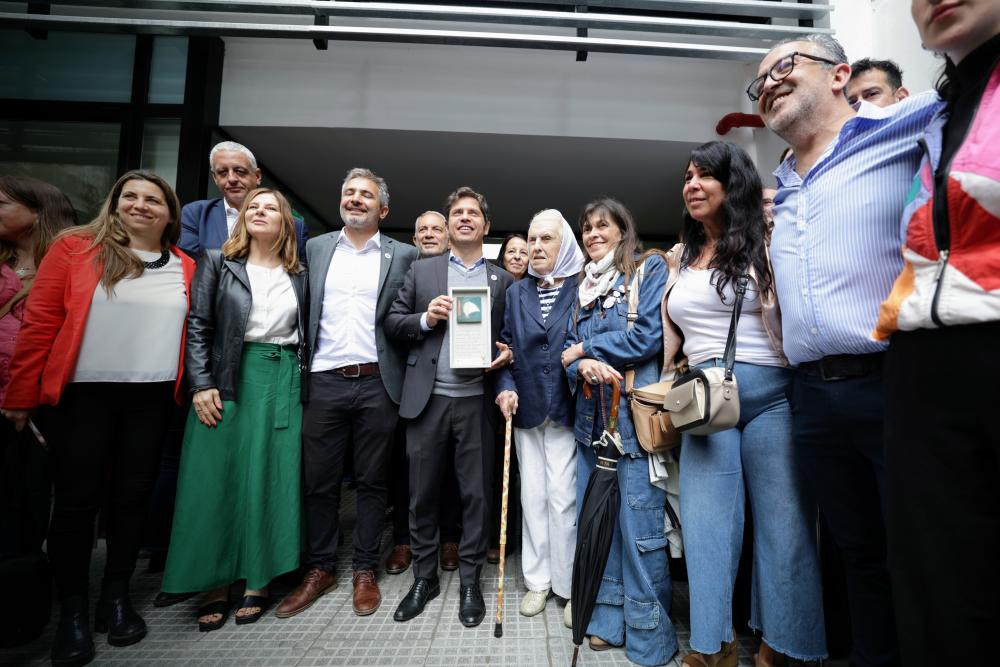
[355, 382]
[452, 416]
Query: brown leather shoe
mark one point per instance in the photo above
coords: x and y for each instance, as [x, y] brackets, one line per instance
[315, 584]
[367, 597]
[399, 559]
[768, 657]
[449, 556]
[728, 656]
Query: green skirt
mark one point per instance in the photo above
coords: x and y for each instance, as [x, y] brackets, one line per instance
[238, 511]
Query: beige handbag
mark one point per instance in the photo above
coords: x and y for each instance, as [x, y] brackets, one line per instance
[652, 422]
[706, 401]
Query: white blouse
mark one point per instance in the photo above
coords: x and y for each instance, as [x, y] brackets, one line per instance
[134, 335]
[274, 310]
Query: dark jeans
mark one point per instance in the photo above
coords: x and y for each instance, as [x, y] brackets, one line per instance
[459, 425]
[837, 427]
[450, 512]
[943, 448]
[105, 440]
[344, 413]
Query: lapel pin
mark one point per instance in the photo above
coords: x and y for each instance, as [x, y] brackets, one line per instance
[388, 256]
[493, 277]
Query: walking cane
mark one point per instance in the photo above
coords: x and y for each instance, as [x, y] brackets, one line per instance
[498, 630]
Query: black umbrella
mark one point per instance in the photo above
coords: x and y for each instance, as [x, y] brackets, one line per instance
[597, 520]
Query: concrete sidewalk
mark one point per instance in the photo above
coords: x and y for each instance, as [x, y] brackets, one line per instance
[330, 634]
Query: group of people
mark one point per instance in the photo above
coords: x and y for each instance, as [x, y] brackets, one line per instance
[297, 356]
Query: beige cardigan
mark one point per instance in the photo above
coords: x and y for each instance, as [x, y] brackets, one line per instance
[674, 361]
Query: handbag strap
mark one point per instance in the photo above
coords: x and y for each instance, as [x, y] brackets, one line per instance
[729, 357]
[632, 295]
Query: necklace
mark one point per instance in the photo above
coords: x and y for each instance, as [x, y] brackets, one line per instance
[159, 263]
[23, 271]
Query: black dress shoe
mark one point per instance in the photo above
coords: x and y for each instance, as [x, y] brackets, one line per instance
[73, 644]
[421, 592]
[170, 599]
[471, 608]
[115, 615]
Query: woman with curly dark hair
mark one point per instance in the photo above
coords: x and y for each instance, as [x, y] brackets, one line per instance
[724, 252]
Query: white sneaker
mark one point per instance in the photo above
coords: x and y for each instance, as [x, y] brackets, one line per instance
[533, 602]
[568, 614]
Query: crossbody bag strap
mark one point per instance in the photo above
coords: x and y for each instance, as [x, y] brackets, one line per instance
[729, 357]
[20, 294]
[632, 297]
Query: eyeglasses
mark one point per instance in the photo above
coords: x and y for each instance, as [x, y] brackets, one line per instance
[780, 71]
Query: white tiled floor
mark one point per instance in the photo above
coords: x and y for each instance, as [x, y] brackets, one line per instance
[330, 634]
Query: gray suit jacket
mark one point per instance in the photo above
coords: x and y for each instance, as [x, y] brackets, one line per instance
[396, 260]
[427, 279]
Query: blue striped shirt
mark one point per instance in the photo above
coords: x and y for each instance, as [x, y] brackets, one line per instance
[835, 245]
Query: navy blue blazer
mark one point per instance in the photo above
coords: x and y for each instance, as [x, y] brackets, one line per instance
[537, 374]
[203, 227]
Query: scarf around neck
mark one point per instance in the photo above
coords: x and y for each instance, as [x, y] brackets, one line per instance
[599, 278]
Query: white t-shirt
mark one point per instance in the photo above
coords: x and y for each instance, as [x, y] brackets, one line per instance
[695, 307]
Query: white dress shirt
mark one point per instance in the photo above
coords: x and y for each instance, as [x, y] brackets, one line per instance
[347, 320]
[274, 310]
[232, 215]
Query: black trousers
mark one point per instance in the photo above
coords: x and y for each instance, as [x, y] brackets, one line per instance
[345, 413]
[837, 427]
[943, 446]
[161, 507]
[105, 440]
[450, 512]
[459, 425]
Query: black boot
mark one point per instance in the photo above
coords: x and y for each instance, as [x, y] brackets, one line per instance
[73, 644]
[115, 615]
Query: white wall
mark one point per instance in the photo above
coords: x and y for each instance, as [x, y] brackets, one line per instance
[530, 92]
[895, 36]
[475, 89]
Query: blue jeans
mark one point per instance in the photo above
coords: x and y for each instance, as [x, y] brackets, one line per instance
[633, 602]
[786, 602]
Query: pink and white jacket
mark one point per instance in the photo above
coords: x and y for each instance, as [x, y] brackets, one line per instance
[960, 284]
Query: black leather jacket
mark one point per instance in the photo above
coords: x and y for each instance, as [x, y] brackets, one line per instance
[217, 322]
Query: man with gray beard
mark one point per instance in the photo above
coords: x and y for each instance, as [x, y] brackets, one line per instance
[835, 254]
[355, 381]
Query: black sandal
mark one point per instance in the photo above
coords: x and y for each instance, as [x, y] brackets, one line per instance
[218, 607]
[250, 601]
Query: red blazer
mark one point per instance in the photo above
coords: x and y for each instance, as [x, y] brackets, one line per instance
[54, 321]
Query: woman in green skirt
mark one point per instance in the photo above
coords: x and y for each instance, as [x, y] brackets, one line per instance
[238, 501]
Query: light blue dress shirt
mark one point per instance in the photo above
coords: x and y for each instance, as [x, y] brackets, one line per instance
[835, 246]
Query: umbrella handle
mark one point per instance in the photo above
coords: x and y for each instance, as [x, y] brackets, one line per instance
[616, 396]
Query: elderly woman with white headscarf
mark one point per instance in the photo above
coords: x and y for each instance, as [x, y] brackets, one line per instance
[534, 390]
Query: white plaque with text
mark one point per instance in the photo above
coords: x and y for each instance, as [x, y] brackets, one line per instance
[469, 338]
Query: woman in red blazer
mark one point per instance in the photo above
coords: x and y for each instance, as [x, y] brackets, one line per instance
[100, 355]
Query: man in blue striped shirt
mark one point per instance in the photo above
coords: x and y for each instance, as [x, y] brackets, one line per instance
[835, 253]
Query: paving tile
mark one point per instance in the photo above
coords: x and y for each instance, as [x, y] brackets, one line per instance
[330, 634]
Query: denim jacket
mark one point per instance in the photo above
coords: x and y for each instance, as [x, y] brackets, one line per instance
[603, 330]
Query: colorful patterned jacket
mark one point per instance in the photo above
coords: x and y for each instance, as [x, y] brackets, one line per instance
[958, 284]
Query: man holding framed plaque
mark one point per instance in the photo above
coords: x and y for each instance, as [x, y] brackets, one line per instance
[450, 310]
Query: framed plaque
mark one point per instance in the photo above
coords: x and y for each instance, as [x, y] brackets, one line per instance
[470, 340]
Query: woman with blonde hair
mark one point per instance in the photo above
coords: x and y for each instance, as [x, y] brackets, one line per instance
[100, 355]
[238, 500]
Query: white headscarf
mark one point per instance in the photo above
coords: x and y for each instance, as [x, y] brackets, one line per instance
[570, 258]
